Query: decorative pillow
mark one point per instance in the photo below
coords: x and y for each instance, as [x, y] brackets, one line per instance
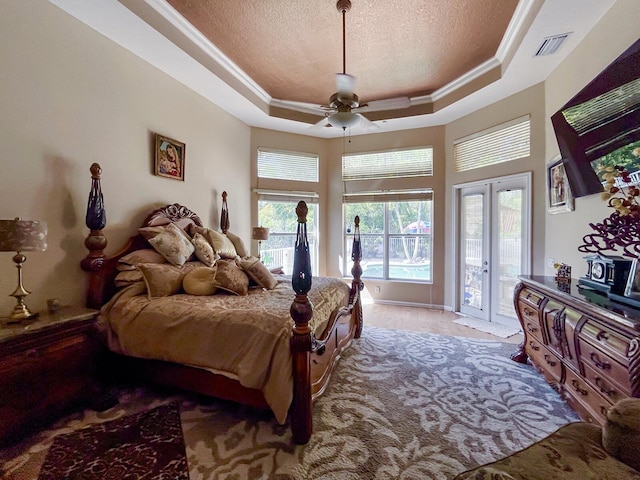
[128, 277]
[162, 280]
[231, 278]
[621, 432]
[173, 244]
[200, 281]
[146, 255]
[258, 272]
[204, 250]
[220, 243]
[238, 244]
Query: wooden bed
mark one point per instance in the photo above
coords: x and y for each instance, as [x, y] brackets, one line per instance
[313, 356]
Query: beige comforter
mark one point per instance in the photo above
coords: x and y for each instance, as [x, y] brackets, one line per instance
[242, 337]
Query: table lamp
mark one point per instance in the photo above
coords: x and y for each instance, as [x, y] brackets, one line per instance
[22, 236]
[260, 234]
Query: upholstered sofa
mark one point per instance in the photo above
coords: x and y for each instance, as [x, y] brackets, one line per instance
[579, 451]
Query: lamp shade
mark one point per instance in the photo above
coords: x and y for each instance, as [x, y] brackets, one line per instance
[23, 236]
[260, 233]
[344, 119]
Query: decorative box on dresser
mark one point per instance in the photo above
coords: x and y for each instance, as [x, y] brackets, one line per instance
[47, 366]
[586, 346]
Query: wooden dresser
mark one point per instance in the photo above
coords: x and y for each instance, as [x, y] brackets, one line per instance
[586, 346]
[47, 366]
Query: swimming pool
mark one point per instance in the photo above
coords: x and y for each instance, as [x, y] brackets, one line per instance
[417, 271]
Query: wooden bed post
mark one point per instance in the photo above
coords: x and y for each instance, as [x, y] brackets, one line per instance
[224, 214]
[96, 242]
[301, 311]
[356, 283]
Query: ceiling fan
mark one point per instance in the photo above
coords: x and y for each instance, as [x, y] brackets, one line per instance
[343, 107]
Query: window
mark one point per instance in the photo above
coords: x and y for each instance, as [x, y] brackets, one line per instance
[395, 232]
[281, 165]
[277, 212]
[503, 143]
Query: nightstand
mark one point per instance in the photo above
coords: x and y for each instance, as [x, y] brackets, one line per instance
[47, 367]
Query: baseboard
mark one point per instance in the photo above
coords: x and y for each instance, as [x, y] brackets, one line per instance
[414, 304]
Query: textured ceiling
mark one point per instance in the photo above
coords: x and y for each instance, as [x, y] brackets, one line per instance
[292, 49]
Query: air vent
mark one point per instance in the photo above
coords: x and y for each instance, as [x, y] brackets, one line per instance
[550, 45]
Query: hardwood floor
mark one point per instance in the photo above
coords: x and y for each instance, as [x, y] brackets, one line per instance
[424, 320]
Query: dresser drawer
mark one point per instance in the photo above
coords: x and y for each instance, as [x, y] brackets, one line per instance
[42, 354]
[530, 320]
[606, 367]
[611, 342]
[543, 358]
[608, 389]
[584, 399]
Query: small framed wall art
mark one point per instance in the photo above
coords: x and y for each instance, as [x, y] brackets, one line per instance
[559, 197]
[169, 158]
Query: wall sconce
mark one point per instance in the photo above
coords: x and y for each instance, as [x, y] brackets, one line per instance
[260, 234]
[22, 236]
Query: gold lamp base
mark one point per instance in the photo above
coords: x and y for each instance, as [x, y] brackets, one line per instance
[20, 313]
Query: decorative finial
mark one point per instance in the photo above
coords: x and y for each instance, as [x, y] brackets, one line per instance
[96, 170]
[301, 211]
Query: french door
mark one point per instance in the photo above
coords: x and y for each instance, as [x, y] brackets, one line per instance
[493, 246]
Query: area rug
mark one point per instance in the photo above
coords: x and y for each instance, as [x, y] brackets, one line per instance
[493, 328]
[147, 445]
[400, 405]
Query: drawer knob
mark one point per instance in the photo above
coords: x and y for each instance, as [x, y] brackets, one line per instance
[596, 361]
[576, 385]
[534, 347]
[531, 328]
[602, 335]
[528, 312]
[603, 410]
[603, 389]
[550, 362]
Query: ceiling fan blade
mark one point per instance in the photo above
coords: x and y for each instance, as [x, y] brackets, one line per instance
[366, 124]
[345, 83]
[321, 124]
[385, 104]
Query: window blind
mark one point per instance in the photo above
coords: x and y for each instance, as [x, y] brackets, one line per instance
[388, 196]
[503, 143]
[287, 196]
[389, 164]
[282, 165]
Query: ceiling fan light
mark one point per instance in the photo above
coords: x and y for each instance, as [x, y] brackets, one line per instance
[344, 119]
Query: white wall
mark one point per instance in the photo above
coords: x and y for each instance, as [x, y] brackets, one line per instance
[70, 97]
[611, 36]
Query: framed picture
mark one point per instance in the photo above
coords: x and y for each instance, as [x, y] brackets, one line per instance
[632, 289]
[169, 158]
[559, 197]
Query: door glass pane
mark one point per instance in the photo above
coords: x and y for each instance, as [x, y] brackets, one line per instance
[472, 235]
[281, 220]
[509, 248]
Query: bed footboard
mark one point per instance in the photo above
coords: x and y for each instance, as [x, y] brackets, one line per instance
[310, 378]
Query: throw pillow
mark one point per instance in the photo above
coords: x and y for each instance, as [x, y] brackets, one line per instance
[238, 244]
[162, 280]
[146, 255]
[260, 274]
[204, 250]
[173, 244]
[621, 432]
[231, 278]
[128, 277]
[200, 281]
[220, 243]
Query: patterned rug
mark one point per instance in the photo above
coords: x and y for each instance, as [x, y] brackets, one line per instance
[400, 405]
[147, 445]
